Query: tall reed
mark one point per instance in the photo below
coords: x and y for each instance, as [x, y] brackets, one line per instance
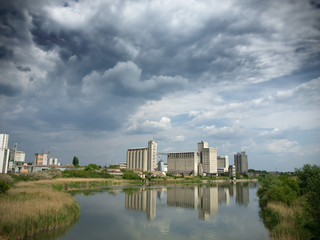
[29, 208]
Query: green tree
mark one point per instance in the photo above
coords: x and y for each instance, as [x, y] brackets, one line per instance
[91, 167]
[309, 182]
[75, 161]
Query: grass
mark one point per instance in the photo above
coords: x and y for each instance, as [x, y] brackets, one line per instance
[29, 208]
[286, 222]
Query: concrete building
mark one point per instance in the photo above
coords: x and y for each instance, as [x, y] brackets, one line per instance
[241, 162]
[161, 166]
[232, 170]
[137, 159]
[144, 159]
[41, 158]
[152, 155]
[223, 164]
[208, 158]
[16, 160]
[4, 153]
[183, 163]
[44, 159]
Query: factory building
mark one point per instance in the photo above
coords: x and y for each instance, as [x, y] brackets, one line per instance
[4, 153]
[223, 164]
[208, 158]
[41, 158]
[144, 159]
[183, 163]
[44, 159]
[241, 162]
[232, 170]
[16, 160]
[137, 159]
[203, 161]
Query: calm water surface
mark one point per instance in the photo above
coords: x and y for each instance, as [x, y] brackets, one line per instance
[197, 212]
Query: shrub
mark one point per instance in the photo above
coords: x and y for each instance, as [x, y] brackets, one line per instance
[91, 167]
[130, 174]
[85, 174]
[4, 186]
[7, 178]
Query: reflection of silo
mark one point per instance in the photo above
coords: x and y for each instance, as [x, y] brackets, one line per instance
[233, 189]
[186, 197]
[160, 193]
[223, 195]
[242, 197]
[151, 204]
[136, 201]
[208, 203]
[142, 201]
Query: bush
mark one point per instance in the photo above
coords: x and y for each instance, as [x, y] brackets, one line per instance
[130, 174]
[4, 186]
[7, 178]
[91, 167]
[85, 174]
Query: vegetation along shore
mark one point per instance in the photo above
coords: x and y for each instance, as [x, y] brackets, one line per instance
[290, 204]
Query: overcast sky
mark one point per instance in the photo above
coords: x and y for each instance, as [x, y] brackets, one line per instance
[94, 78]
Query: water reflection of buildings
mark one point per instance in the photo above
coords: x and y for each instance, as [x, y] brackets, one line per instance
[143, 200]
[208, 202]
[203, 198]
[242, 197]
[207, 198]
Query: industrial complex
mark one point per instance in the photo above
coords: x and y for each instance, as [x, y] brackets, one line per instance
[13, 160]
[203, 162]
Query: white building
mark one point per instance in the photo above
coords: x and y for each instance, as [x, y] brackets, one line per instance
[143, 158]
[16, 159]
[4, 153]
[208, 158]
[152, 154]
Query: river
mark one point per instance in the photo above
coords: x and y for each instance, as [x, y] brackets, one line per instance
[229, 211]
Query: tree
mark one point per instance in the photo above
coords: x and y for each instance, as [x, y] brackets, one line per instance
[91, 167]
[309, 182]
[75, 161]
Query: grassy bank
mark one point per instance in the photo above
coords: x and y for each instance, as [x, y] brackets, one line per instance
[30, 207]
[290, 205]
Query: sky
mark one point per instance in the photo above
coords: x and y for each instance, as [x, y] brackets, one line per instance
[94, 78]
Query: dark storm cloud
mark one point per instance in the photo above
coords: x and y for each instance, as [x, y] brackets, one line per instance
[8, 90]
[5, 53]
[23, 69]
